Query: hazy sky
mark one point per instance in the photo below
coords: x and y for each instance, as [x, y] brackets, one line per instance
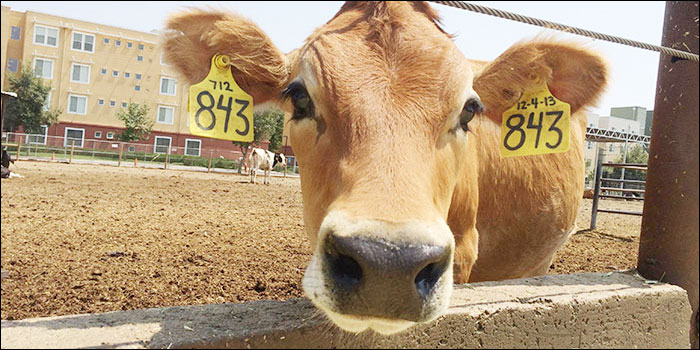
[633, 71]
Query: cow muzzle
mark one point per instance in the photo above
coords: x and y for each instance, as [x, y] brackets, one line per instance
[380, 275]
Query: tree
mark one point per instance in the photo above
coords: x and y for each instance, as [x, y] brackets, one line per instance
[27, 110]
[635, 155]
[267, 125]
[272, 124]
[138, 125]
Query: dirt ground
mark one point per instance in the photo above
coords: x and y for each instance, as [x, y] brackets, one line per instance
[86, 239]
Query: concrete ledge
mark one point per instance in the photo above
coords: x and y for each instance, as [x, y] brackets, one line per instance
[614, 310]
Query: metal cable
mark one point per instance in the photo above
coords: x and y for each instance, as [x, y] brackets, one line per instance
[552, 25]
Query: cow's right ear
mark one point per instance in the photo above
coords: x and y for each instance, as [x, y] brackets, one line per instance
[193, 37]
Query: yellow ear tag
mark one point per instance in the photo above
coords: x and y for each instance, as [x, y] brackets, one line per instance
[217, 106]
[537, 124]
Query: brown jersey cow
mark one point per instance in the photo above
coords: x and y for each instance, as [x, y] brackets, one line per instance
[397, 136]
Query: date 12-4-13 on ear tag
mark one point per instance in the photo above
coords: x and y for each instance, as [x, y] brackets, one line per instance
[538, 123]
[218, 108]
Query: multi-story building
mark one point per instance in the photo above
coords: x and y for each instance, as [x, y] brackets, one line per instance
[95, 70]
[634, 113]
[631, 120]
[647, 123]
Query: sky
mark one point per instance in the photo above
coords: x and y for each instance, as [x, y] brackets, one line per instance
[481, 37]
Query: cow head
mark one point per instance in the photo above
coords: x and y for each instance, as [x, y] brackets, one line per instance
[279, 159]
[382, 102]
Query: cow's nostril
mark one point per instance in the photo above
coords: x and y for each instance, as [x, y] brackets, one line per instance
[344, 270]
[427, 278]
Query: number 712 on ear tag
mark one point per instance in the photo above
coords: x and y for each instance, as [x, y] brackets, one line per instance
[218, 108]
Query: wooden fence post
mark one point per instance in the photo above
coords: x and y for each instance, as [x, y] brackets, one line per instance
[72, 147]
[121, 150]
[19, 147]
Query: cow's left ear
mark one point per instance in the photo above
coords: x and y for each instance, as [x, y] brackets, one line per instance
[193, 37]
[574, 75]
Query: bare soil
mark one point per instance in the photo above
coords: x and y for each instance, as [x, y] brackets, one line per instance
[86, 238]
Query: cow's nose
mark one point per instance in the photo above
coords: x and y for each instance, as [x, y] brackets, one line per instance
[380, 278]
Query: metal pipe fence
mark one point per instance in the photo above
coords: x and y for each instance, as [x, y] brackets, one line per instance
[113, 152]
[615, 192]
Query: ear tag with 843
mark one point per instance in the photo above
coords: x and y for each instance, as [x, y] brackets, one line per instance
[218, 108]
[538, 123]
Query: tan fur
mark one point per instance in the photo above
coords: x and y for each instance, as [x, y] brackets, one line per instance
[387, 83]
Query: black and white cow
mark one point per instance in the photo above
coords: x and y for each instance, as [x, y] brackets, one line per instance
[6, 159]
[264, 160]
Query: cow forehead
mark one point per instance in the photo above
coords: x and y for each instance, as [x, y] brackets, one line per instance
[383, 61]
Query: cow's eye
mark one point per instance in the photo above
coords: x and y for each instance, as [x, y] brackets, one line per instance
[303, 106]
[472, 107]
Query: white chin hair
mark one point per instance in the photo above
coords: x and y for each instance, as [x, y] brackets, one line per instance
[356, 325]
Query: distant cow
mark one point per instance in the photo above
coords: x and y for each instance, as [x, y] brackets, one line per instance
[398, 137]
[263, 160]
[6, 159]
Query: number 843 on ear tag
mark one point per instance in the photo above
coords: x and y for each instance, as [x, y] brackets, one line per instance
[218, 108]
[538, 123]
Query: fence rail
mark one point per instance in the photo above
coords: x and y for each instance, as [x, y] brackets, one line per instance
[598, 188]
[72, 150]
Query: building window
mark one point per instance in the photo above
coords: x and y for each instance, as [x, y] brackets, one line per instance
[98, 134]
[106, 40]
[40, 138]
[104, 71]
[137, 87]
[83, 42]
[47, 103]
[74, 135]
[124, 104]
[43, 68]
[161, 144]
[115, 73]
[77, 104]
[117, 43]
[12, 64]
[129, 45]
[193, 147]
[80, 73]
[45, 35]
[127, 74]
[140, 46]
[137, 76]
[139, 58]
[110, 135]
[15, 33]
[132, 148]
[590, 145]
[167, 86]
[611, 147]
[112, 103]
[101, 102]
[165, 114]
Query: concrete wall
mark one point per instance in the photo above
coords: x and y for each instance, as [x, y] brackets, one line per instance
[615, 310]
